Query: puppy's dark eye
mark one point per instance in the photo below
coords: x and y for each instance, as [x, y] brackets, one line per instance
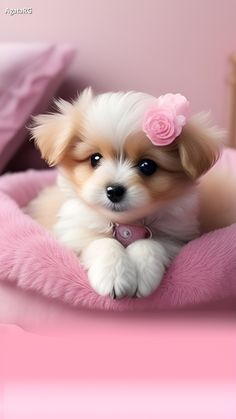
[95, 159]
[147, 167]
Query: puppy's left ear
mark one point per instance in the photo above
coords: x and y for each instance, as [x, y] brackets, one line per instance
[199, 146]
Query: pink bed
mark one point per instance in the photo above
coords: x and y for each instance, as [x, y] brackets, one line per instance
[31, 258]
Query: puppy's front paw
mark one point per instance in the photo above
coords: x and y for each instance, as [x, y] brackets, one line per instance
[110, 270]
[150, 259]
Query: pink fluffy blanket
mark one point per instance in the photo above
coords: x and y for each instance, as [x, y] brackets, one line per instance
[30, 257]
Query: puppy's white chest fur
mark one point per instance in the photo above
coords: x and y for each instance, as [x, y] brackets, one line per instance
[77, 224]
[138, 269]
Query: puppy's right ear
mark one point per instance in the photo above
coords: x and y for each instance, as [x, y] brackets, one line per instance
[53, 133]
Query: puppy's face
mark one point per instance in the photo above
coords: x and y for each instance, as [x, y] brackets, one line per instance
[124, 183]
[112, 165]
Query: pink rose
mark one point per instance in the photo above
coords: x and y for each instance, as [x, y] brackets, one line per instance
[164, 122]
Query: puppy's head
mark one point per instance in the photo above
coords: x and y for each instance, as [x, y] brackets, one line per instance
[99, 144]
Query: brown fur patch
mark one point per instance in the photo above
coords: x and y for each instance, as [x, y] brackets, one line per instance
[45, 206]
[77, 171]
[170, 179]
[198, 150]
[77, 164]
[138, 147]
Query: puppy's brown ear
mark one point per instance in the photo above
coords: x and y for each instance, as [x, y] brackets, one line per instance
[199, 146]
[53, 133]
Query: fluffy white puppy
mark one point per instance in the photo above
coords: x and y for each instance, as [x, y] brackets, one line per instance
[126, 198]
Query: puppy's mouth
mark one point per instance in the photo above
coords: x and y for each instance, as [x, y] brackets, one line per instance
[118, 207]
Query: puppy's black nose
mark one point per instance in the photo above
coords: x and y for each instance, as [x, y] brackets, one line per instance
[115, 192]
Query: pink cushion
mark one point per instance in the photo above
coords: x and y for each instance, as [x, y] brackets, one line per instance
[203, 272]
[29, 77]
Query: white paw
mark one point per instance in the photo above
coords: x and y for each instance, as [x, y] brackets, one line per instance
[110, 271]
[150, 259]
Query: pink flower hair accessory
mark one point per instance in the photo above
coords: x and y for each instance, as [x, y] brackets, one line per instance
[163, 122]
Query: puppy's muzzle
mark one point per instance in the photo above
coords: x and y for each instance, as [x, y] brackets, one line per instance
[115, 192]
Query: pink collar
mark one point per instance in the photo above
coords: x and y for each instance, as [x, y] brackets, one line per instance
[129, 233]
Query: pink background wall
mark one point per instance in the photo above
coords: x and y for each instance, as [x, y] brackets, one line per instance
[155, 46]
[151, 45]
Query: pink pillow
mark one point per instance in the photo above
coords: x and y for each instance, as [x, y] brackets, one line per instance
[29, 76]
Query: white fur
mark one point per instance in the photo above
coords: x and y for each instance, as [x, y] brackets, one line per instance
[139, 269]
[111, 172]
[150, 259]
[115, 116]
[110, 269]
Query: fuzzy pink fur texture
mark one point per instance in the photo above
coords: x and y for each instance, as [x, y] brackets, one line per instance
[203, 272]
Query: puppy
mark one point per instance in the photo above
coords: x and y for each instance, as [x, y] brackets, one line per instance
[126, 200]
